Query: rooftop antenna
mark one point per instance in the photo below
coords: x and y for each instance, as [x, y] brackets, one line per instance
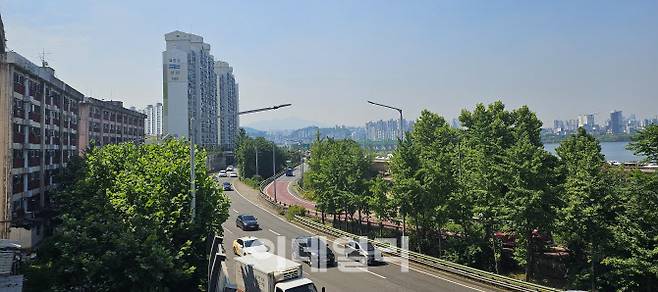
[42, 57]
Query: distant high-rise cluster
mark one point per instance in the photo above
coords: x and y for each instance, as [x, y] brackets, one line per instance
[200, 99]
[153, 123]
[386, 130]
[615, 124]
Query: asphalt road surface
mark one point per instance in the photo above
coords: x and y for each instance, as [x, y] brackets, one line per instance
[384, 277]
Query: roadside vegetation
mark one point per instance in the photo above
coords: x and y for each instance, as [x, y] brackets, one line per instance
[489, 196]
[123, 222]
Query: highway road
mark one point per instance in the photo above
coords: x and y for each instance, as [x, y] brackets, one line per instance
[286, 194]
[385, 277]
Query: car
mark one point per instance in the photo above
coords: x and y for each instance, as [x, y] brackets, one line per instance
[227, 186]
[290, 172]
[232, 174]
[222, 173]
[247, 222]
[229, 168]
[363, 251]
[248, 245]
[312, 250]
[651, 165]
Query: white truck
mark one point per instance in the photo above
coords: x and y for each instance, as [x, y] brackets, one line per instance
[267, 272]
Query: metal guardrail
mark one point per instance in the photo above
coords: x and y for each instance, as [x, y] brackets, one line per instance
[465, 271]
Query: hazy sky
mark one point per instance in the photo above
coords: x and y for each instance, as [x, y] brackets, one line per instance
[562, 58]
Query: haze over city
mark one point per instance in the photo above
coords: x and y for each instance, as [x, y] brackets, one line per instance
[562, 58]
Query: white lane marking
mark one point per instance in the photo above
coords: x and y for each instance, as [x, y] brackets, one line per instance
[311, 232]
[444, 279]
[296, 197]
[228, 230]
[274, 232]
[372, 273]
[236, 211]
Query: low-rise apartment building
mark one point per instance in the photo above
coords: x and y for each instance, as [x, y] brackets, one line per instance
[39, 117]
[108, 122]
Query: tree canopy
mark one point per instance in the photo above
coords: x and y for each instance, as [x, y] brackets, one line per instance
[125, 222]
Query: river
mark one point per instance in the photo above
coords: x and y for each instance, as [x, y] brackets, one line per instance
[612, 151]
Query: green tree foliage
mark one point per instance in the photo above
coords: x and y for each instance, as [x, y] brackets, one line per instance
[591, 207]
[247, 150]
[645, 143]
[534, 181]
[338, 175]
[125, 222]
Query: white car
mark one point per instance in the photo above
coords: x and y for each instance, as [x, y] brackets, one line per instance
[248, 245]
[363, 252]
[222, 173]
[232, 174]
[229, 168]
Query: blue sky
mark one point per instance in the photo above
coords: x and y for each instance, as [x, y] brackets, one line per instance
[562, 58]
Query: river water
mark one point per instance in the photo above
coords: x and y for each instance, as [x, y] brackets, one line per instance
[612, 151]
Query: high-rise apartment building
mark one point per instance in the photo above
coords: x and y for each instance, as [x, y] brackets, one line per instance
[386, 130]
[586, 121]
[228, 100]
[39, 117]
[190, 89]
[616, 122]
[153, 123]
[108, 122]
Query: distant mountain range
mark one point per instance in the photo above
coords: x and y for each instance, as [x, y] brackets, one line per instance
[251, 132]
[283, 124]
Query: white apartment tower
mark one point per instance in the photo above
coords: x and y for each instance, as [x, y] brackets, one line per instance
[189, 89]
[228, 101]
[153, 123]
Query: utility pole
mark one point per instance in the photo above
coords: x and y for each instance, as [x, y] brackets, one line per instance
[193, 187]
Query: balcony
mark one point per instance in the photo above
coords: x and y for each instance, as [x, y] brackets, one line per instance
[19, 88]
[19, 138]
[34, 161]
[17, 185]
[35, 116]
[34, 183]
[34, 139]
[18, 162]
[19, 112]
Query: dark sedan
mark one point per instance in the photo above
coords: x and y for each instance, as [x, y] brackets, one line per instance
[247, 222]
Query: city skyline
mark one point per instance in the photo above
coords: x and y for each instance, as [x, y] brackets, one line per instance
[599, 58]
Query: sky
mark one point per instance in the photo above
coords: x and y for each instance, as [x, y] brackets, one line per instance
[327, 58]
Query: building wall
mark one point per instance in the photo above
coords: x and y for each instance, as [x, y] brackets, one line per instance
[39, 135]
[108, 122]
[189, 88]
[228, 106]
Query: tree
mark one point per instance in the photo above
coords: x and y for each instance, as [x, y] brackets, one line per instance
[630, 258]
[486, 137]
[338, 173]
[247, 150]
[645, 143]
[534, 179]
[379, 201]
[590, 207]
[126, 222]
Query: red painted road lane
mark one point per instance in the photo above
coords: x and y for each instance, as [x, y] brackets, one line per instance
[284, 195]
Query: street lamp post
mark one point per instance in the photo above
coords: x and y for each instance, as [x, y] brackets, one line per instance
[256, 145]
[400, 136]
[192, 186]
[401, 133]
